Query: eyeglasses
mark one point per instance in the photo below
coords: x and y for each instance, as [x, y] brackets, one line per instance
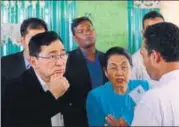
[55, 57]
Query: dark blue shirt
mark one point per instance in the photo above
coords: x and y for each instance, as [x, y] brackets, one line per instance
[95, 70]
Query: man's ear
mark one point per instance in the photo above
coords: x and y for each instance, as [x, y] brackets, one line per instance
[156, 57]
[22, 41]
[75, 39]
[142, 31]
[33, 61]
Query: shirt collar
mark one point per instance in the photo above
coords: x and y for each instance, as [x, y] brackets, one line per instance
[167, 78]
[27, 64]
[43, 84]
[84, 55]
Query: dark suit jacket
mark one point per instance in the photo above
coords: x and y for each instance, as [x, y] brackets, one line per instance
[80, 84]
[24, 102]
[12, 65]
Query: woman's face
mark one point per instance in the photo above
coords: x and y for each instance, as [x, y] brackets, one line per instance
[118, 70]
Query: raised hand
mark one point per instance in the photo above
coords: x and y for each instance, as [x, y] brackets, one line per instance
[58, 85]
[112, 121]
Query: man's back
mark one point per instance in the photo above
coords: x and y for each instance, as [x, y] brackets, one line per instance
[160, 104]
[170, 105]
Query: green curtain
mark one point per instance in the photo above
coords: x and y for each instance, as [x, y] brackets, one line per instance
[57, 14]
[135, 16]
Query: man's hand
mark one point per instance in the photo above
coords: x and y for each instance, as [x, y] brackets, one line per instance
[58, 85]
[114, 122]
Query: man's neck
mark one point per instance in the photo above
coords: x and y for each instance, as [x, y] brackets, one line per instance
[46, 80]
[168, 67]
[26, 55]
[90, 52]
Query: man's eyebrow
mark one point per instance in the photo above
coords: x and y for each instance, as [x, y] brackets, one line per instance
[62, 49]
[55, 51]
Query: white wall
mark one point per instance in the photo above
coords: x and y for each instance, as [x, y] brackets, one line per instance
[170, 11]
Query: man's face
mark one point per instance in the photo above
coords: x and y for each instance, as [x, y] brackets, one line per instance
[118, 70]
[30, 32]
[51, 60]
[85, 34]
[151, 21]
[150, 62]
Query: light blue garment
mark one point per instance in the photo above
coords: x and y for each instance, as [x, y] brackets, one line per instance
[103, 101]
[27, 64]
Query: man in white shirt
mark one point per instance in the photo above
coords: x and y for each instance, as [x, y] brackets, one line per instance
[138, 71]
[160, 52]
[37, 96]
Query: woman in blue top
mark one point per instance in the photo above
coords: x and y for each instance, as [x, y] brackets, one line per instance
[115, 100]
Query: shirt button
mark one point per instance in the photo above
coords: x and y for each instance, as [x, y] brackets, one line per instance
[70, 104]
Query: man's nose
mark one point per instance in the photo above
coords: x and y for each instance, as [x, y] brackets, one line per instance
[60, 61]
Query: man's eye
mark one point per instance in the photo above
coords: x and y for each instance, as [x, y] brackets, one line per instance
[80, 31]
[53, 56]
[63, 54]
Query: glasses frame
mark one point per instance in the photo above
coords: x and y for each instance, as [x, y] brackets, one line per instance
[63, 56]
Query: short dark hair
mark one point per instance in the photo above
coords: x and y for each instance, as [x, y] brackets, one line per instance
[41, 39]
[77, 21]
[119, 51]
[163, 38]
[32, 23]
[151, 15]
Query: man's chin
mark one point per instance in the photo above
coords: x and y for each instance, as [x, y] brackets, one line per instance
[89, 45]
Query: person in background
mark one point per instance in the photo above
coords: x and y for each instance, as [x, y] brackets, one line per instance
[113, 103]
[160, 52]
[138, 71]
[84, 71]
[15, 64]
[35, 98]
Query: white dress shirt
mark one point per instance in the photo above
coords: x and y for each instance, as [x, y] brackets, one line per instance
[160, 106]
[56, 120]
[139, 71]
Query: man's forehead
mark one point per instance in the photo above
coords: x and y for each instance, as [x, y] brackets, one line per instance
[152, 21]
[83, 24]
[35, 31]
[54, 47]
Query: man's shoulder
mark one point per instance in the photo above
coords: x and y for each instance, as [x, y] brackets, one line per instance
[11, 57]
[100, 52]
[25, 78]
[153, 95]
[75, 52]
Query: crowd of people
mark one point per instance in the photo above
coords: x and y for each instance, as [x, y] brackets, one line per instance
[44, 85]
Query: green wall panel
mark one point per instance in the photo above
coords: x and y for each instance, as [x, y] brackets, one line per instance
[109, 19]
